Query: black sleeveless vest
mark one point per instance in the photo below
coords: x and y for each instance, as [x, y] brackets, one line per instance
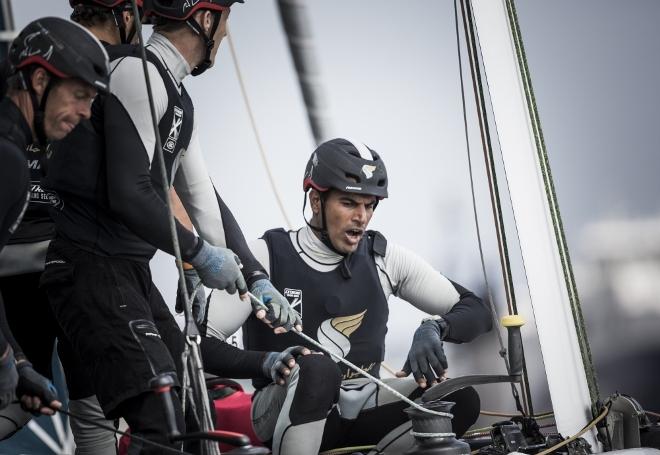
[76, 171]
[347, 315]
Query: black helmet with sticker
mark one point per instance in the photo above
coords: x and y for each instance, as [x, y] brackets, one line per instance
[347, 166]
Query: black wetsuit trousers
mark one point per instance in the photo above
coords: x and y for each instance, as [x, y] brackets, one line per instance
[120, 327]
[34, 326]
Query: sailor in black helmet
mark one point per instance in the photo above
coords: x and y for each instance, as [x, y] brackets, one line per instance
[22, 261]
[112, 218]
[111, 21]
[339, 276]
[55, 70]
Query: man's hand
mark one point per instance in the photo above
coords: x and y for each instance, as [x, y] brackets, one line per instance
[37, 393]
[277, 365]
[8, 378]
[426, 358]
[219, 268]
[199, 302]
[273, 308]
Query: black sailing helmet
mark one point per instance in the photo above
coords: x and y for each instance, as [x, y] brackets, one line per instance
[117, 7]
[182, 10]
[347, 166]
[64, 49]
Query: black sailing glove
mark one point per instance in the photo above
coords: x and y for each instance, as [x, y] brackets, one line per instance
[32, 384]
[8, 378]
[277, 365]
[426, 358]
[219, 268]
[279, 312]
[199, 301]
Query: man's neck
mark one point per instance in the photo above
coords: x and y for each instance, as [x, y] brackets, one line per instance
[105, 34]
[188, 45]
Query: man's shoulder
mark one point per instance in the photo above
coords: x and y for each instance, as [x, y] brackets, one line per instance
[13, 157]
[378, 243]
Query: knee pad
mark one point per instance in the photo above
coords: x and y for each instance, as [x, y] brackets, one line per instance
[12, 419]
[317, 389]
[90, 439]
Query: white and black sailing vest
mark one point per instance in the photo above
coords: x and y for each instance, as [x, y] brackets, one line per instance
[348, 315]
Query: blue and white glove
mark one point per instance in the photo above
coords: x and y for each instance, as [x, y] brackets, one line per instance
[426, 358]
[199, 301]
[278, 310]
[8, 378]
[219, 268]
[277, 365]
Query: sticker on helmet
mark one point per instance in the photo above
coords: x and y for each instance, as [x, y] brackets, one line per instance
[29, 51]
[368, 170]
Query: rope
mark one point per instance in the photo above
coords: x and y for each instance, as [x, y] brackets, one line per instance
[347, 450]
[557, 223]
[351, 365]
[257, 136]
[590, 425]
[191, 332]
[432, 435]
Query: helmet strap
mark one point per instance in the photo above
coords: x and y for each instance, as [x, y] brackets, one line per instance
[38, 108]
[119, 22]
[209, 42]
[325, 238]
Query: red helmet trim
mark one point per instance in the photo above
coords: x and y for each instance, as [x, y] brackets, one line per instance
[308, 182]
[39, 60]
[201, 5]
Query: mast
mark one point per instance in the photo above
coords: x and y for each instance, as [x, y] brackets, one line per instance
[299, 36]
[7, 33]
[554, 299]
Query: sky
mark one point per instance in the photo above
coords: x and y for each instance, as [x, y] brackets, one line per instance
[390, 74]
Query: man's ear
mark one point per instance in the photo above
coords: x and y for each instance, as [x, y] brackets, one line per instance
[315, 201]
[39, 81]
[205, 19]
[127, 17]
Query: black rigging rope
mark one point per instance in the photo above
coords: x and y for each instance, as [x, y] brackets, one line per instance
[471, 46]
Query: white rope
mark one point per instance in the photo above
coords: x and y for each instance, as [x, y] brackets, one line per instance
[432, 435]
[362, 372]
[257, 137]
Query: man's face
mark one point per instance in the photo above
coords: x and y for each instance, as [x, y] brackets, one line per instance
[347, 216]
[220, 33]
[68, 103]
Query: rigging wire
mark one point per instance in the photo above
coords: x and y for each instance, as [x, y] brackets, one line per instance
[255, 130]
[354, 367]
[191, 333]
[494, 195]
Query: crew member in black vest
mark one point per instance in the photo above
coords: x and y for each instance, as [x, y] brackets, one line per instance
[339, 276]
[22, 261]
[55, 69]
[112, 217]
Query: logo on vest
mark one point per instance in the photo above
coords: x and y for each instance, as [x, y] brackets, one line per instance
[294, 296]
[335, 333]
[175, 130]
